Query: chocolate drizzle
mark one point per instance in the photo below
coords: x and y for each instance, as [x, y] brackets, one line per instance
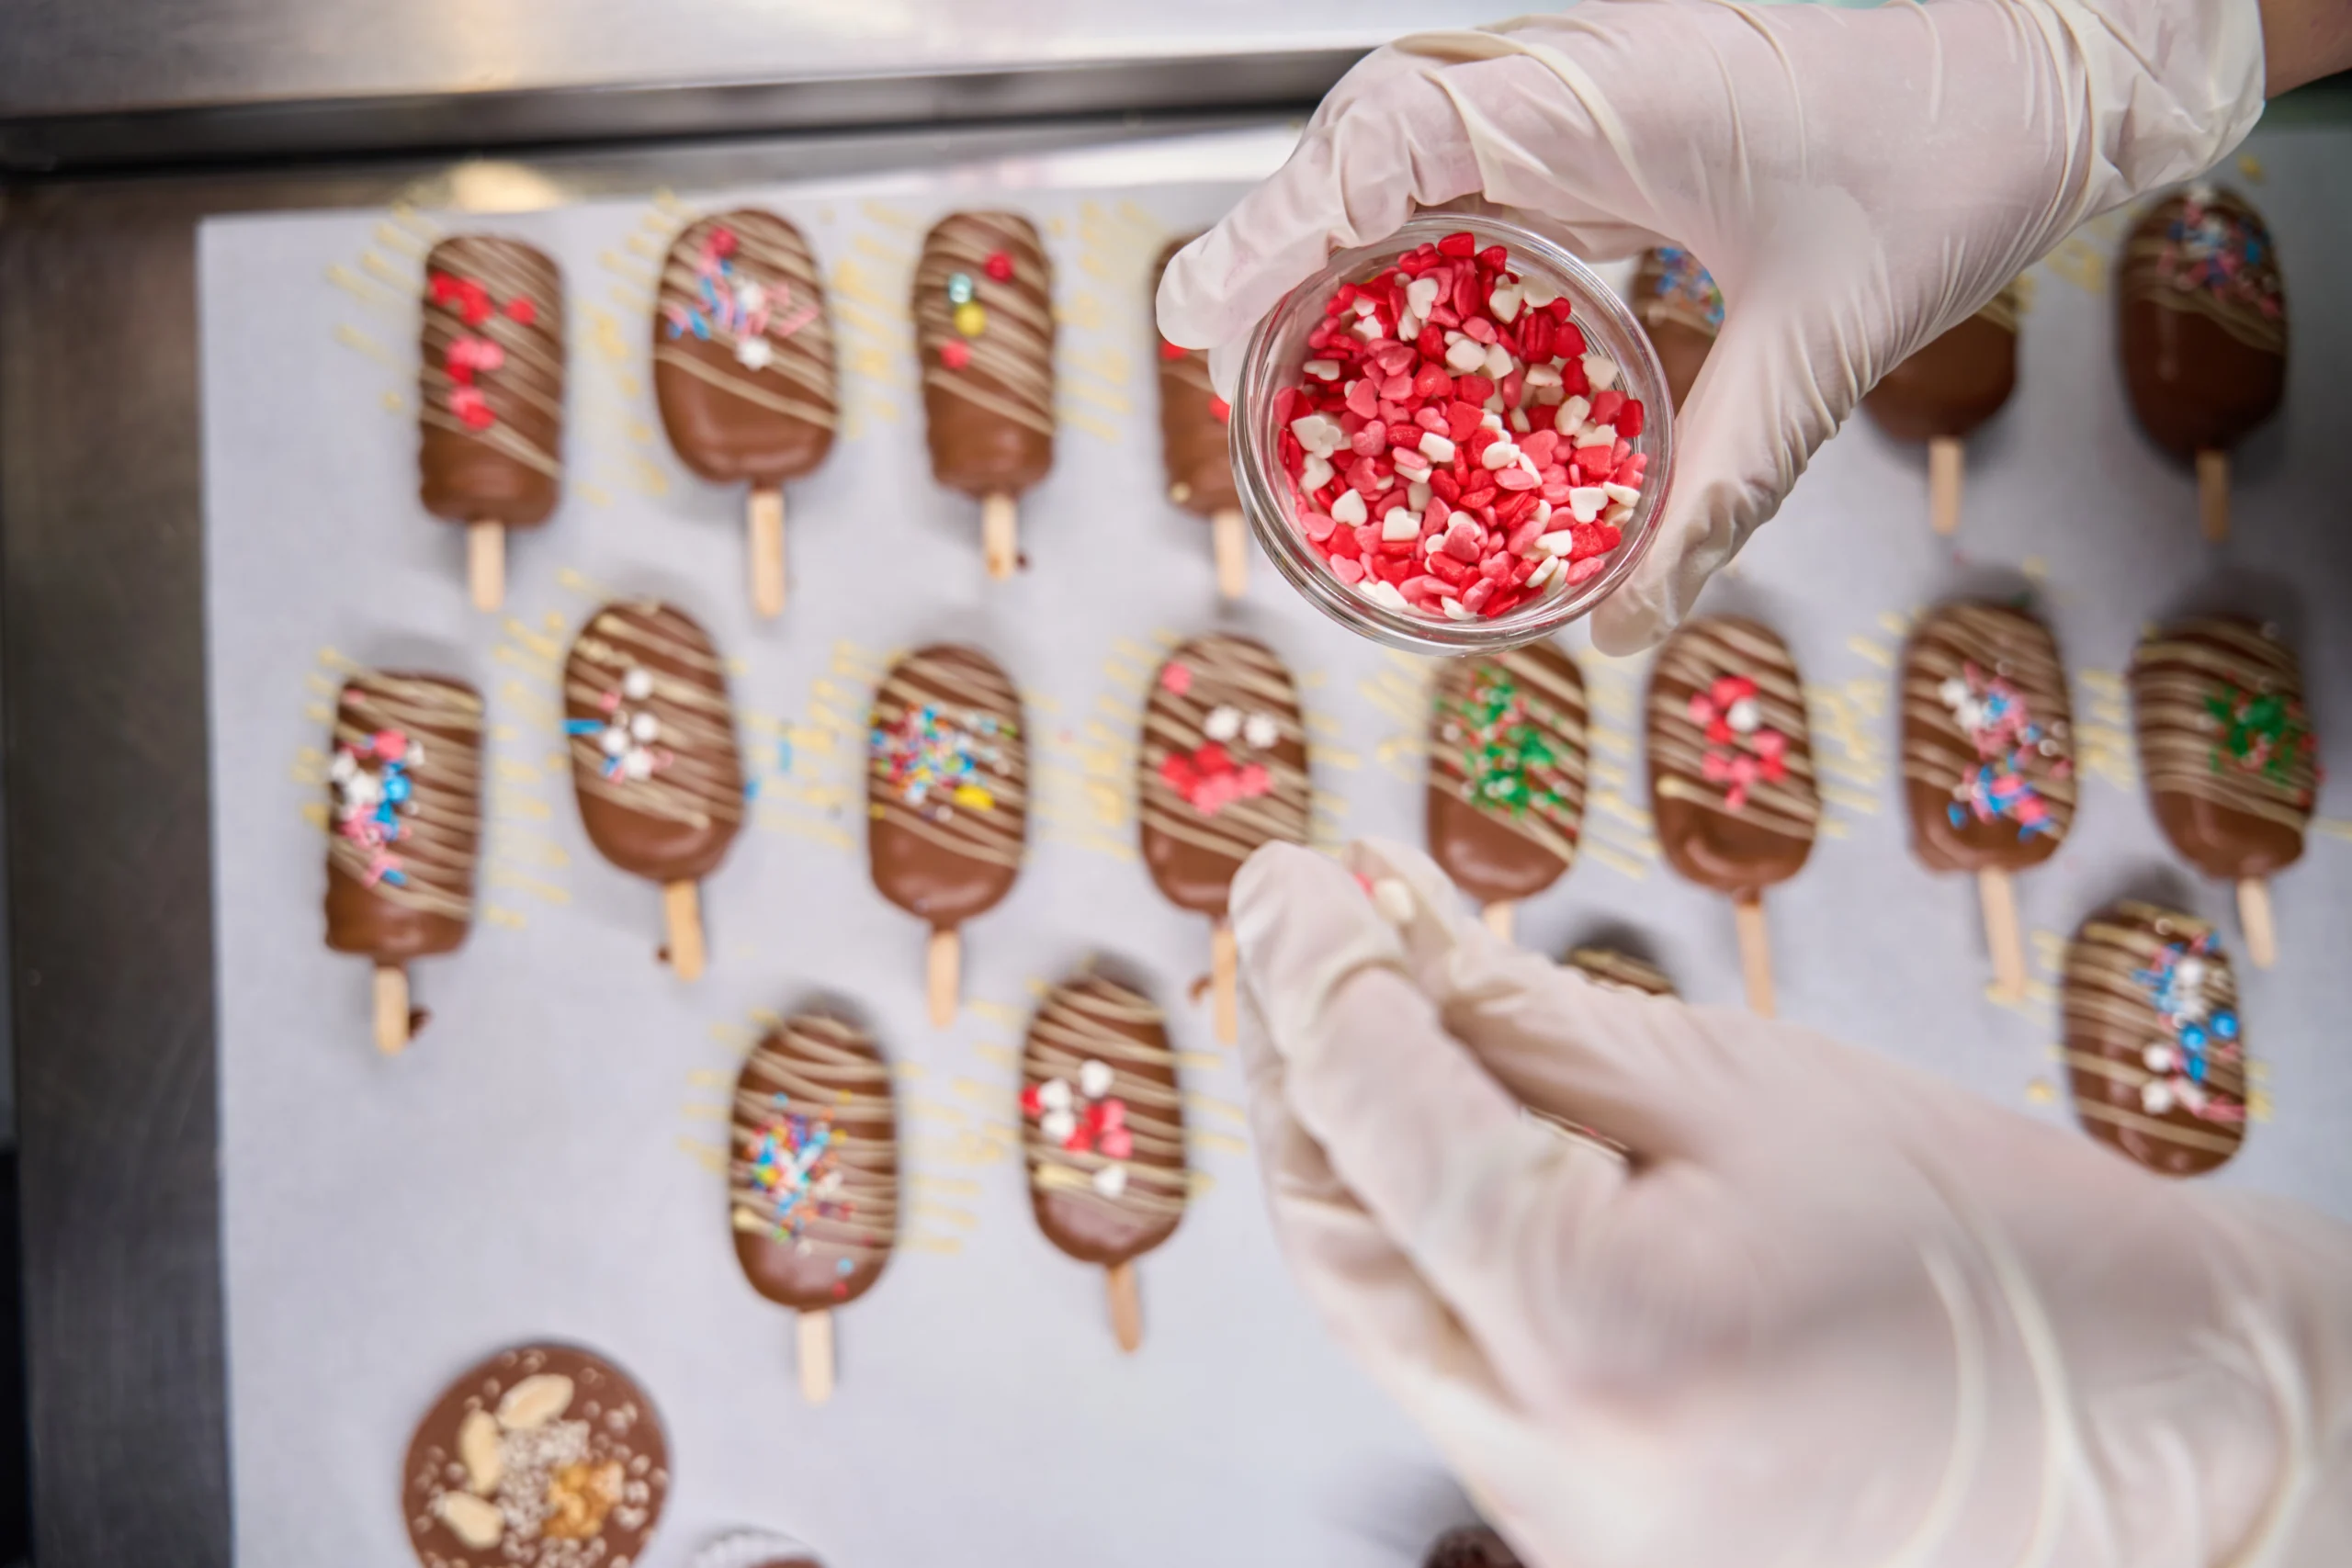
[2155, 1055]
[813, 1177]
[2225, 745]
[1105, 1149]
[988, 395]
[489, 382]
[1507, 770]
[1615, 971]
[946, 784]
[1988, 746]
[404, 815]
[1222, 769]
[744, 351]
[2203, 321]
[1727, 815]
[1193, 430]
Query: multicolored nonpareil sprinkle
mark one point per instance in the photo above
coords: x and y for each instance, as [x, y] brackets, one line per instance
[2201, 1033]
[795, 1166]
[1505, 754]
[628, 733]
[374, 793]
[1992, 713]
[731, 306]
[938, 760]
[2224, 252]
[1683, 281]
[2258, 732]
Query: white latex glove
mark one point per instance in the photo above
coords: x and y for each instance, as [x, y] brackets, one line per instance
[1834, 1313]
[1855, 180]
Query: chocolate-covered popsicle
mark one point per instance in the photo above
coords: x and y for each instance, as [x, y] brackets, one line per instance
[2155, 1055]
[1988, 758]
[2203, 330]
[489, 396]
[984, 328]
[1196, 448]
[813, 1177]
[2227, 751]
[744, 368]
[1105, 1133]
[404, 816]
[654, 761]
[1732, 788]
[947, 798]
[1222, 771]
[1617, 971]
[1944, 392]
[1506, 774]
[1681, 308]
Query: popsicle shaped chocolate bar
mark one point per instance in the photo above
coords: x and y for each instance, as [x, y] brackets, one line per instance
[1944, 392]
[405, 820]
[1988, 758]
[2203, 330]
[1222, 771]
[1506, 774]
[812, 1183]
[1196, 448]
[489, 396]
[984, 328]
[2228, 753]
[1617, 971]
[947, 798]
[653, 756]
[743, 369]
[1104, 1133]
[1732, 789]
[1681, 308]
[2154, 1053]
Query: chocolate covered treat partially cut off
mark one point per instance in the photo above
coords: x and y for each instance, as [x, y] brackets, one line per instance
[654, 761]
[2228, 753]
[1988, 759]
[1222, 771]
[1681, 309]
[2203, 330]
[544, 1456]
[405, 820]
[812, 1177]
[1615, 971]
[2153, 1052]
[1195, 445]
[947, 798]
[1104, 1133]
[489, 396]
[984, 328]
[1506, 774]
[1941, 394]
[1732, 788]
[743, 369]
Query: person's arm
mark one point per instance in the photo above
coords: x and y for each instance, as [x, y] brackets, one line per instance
[2303, 41]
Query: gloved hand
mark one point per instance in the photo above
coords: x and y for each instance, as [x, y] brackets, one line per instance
[1855, 180]
[1829, 1312]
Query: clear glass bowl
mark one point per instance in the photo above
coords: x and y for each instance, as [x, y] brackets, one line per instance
[1275, 359]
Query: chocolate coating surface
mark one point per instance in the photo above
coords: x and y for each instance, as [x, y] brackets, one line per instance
[1957, 382]
[544, 1456]
[2226, 748]
[991, 416]
[744, 351]
[1194, 442]
[1507, 770]
[813, 1175]
[1107, 1148]
[1473, 1546]
[403, 815]
[1681, 308]
[2155, 1059]
[1619, 971]
[489, 382]
[1729, 814]
[946, 784]
[653, 756]
[1222, 768]
[1988, 741]
[2202, 322]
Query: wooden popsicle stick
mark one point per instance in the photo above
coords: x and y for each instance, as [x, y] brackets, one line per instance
[1127, 1306]
[392, 1008]
[1999, 897]
[1944, 455]
[1755, 952]
[999, 535]
[2213, 495]
[682, 918]
[1497, 917]
[816, 1357]
[1225, 976]
[2254, 915]
[765, 518]
[486, 564]
[1230, 539]
[944, 975]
